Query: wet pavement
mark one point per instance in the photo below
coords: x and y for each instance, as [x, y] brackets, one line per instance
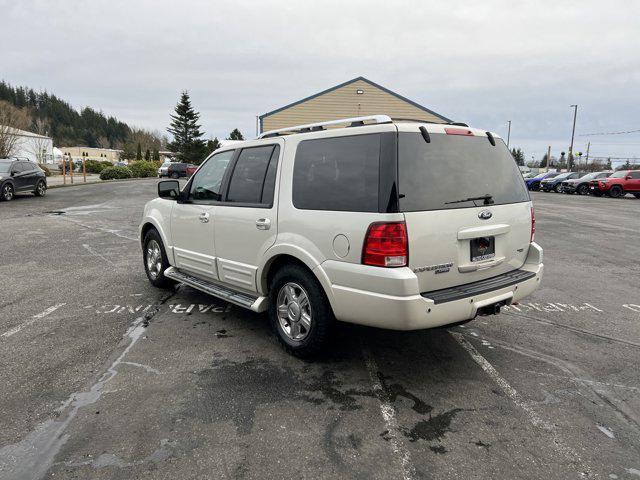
[104, 376]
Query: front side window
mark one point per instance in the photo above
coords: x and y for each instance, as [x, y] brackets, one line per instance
[619, 174]
[339, 174]
[252, 173]
[207, 182]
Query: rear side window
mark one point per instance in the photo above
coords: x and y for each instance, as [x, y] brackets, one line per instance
[445, 173]
[635, 174]
[253, 172]
[339, 173]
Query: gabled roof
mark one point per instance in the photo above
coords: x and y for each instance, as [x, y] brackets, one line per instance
[353, 80]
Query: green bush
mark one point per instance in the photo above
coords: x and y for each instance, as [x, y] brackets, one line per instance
[96, 166]
[143, 169]
[45, 169]
[111, 173]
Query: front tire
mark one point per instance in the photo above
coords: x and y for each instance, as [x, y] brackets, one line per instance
[583, 189]
[637, 195]
[557, 188]
[7, 192]
[616, 191]
[41, 189]
[535, 187]
[175, 175]
[155, 260]
[299, 311]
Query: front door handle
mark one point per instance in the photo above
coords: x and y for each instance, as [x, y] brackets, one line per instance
[263, 224]
[204, 217]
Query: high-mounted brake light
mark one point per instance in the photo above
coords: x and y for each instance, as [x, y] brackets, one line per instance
[386, 245]
[533, 225]
[458, 131]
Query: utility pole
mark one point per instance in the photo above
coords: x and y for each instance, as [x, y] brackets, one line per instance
[587, 159]
[573, 132]
[548, 158]
[509, 134]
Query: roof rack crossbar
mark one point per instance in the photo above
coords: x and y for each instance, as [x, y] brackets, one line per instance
[374, 119]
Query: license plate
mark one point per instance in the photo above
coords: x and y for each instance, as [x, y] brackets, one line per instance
[483, 248]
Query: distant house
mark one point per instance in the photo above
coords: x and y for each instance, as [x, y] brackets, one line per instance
[354, 98]
[90, 153]
[31, 146]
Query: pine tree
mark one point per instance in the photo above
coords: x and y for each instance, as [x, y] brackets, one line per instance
[187, 144]
[518, 155]
[156, 155]
[213, 145]
[235, 135]
[139, 152]
[147, 155]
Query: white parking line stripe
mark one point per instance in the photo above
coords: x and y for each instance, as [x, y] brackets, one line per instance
[570, 454]
[32, 320]
[389, 416]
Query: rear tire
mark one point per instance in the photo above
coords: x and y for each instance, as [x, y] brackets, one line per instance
[41, 189]
[583, 189]
[299, 311]
[7, 192]
[616, 191]
[175, 175]
[155, 260]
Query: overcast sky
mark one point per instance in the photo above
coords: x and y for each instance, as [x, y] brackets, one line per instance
[479, 62]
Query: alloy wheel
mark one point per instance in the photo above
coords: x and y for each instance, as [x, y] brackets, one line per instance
[294, 311]
[7, 192]
[154, 259]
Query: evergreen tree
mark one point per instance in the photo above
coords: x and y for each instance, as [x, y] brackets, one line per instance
[235, 135]
[609, 167]
[147, 155]
[518, 155]
[213, 145]
[156, 155]
[187, 144]
[139, 152]
[544, 162]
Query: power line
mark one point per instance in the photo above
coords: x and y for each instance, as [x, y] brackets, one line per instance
[609, 133]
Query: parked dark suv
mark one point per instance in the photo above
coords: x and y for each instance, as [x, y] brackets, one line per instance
[177, 170]
[18, 176]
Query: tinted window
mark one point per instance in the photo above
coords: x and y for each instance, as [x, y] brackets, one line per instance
[452, 168]
[5, 167]
[619, 174]
[337, 174]
[249, 174]
[207, 181]
[270, 178]
[635, 174]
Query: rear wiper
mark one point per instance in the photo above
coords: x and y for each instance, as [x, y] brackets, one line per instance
[488, 199]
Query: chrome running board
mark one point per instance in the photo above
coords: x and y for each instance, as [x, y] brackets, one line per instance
[246, 300]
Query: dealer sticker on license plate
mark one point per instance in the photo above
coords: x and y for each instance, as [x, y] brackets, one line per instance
[483, 248]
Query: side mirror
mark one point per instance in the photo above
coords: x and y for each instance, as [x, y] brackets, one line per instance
[169, 189]
[628, 177]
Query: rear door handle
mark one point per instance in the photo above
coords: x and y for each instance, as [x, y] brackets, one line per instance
[263, 224]
[204, 217]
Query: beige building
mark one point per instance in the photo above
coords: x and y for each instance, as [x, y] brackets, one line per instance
[354, 98]
[89, 153]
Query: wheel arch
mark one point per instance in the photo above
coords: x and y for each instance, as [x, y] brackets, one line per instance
[149, 224]
[296, 256]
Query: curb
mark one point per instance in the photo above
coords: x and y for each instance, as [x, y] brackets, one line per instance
[49, 187]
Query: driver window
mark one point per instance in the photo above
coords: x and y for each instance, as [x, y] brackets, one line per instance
[207, 182]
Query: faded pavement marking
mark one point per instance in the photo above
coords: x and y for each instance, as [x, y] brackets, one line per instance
[389, 416]
[569, 453]
[32, 320]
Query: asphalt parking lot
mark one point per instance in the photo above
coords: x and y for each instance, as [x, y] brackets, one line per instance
[104, 376]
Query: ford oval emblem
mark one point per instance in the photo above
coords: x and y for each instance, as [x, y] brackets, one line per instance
[485, 215]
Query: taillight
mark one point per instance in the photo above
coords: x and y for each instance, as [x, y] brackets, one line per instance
[386, 245]
[533, 225]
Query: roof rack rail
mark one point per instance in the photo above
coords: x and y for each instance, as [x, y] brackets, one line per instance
[312, 127]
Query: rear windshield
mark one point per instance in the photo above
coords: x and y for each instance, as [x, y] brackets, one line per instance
[450, 169]
[5, 167]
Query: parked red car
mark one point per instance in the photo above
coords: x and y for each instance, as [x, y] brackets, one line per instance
[618, 184]
[191, 169]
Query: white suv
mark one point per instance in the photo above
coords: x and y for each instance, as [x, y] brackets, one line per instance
[399, 225]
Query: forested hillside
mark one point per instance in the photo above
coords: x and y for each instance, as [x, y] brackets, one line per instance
[66, 125]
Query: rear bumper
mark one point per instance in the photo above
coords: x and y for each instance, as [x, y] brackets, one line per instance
[433, 309]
